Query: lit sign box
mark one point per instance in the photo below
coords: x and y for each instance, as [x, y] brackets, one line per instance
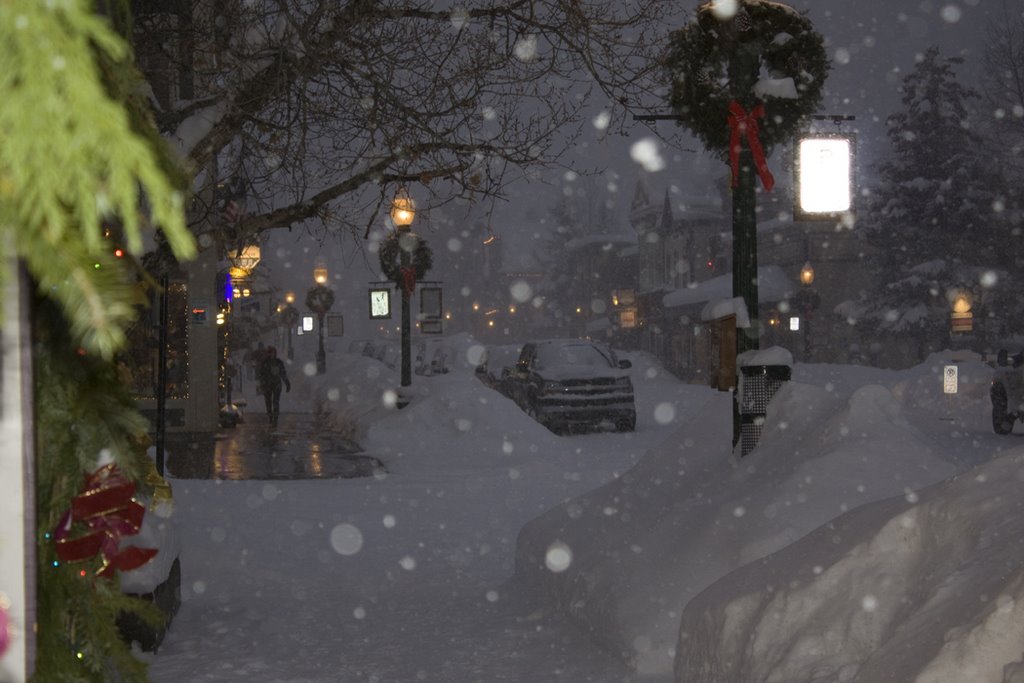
[380, 303]
[824, 176]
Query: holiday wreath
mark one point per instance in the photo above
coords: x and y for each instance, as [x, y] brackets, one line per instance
[716, 64]
[391, 264]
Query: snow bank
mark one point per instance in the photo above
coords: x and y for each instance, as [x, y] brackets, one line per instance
[924, 588]
[689, 513]
[159, 530]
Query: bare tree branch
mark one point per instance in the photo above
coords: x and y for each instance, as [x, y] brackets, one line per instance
[309, 106]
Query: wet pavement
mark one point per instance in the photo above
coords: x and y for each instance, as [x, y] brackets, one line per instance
[296, 449]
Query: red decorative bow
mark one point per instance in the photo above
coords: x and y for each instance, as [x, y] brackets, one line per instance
[106, 506]
[408, 279]
[742, 123]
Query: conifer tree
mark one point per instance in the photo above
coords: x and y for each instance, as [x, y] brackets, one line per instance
[930, 213]
[1002, 89]
[79, 162]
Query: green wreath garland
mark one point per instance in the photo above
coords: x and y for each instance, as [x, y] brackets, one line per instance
[390, 256]
[785, 45]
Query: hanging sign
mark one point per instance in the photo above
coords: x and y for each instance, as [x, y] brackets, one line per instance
[824, 176]
[200, 312]
[335, 325]
[961, 322]
[380, 303]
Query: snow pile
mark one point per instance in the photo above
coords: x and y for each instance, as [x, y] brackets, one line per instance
[926, 588]
[690, 512]
[460, 415]
[159, 530]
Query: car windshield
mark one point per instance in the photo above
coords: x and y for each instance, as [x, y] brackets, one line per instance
[571, 354]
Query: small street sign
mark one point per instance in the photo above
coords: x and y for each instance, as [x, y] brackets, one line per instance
[949, 379]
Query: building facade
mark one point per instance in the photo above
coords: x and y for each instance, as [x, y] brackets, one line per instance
[685, 268]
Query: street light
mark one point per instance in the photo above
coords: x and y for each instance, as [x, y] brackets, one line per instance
[806, 301]
[289, 318]
[807, 274]
[403, 211]
[319, 299]
[244, 261]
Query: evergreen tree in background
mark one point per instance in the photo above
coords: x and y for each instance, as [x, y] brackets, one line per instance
[931, 215]
[934, 195]
[1002, 89]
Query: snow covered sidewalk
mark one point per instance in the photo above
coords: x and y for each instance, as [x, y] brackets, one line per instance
[400, 576]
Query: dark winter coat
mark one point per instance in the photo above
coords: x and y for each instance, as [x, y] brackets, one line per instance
[271, 374]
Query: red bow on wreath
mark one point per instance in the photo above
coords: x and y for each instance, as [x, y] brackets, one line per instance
[107, 508]
[743, 123]
[408, 279]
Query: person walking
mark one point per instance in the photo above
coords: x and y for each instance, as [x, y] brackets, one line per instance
[271, 374]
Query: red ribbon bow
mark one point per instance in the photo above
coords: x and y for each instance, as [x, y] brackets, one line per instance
[743, 123]
[408, 279]
[106, 506]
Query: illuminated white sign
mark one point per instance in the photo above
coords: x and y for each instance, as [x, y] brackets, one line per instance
[307, 323]
[825, 184]
[794, 324]
[380, 303]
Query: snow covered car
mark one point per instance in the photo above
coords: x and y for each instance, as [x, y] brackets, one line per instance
[1007, 392]
[563, 383]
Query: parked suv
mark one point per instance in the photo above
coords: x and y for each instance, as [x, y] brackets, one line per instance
[1007, 392]
[564, 383]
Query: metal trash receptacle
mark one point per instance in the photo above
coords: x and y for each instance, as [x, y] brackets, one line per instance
[758, 384]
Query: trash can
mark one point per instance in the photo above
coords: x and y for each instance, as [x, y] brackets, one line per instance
[757, 386]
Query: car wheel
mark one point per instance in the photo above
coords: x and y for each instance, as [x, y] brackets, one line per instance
[1002, 423]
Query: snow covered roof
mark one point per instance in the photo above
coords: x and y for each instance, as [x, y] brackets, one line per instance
[772, 285]
[721, 308]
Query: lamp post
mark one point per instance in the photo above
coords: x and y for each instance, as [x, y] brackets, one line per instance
[290, 318]
[403, 211]
[807, 300]
[319, 299]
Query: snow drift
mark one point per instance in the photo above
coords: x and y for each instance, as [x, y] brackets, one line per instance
[642, 547]
[927, 591]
